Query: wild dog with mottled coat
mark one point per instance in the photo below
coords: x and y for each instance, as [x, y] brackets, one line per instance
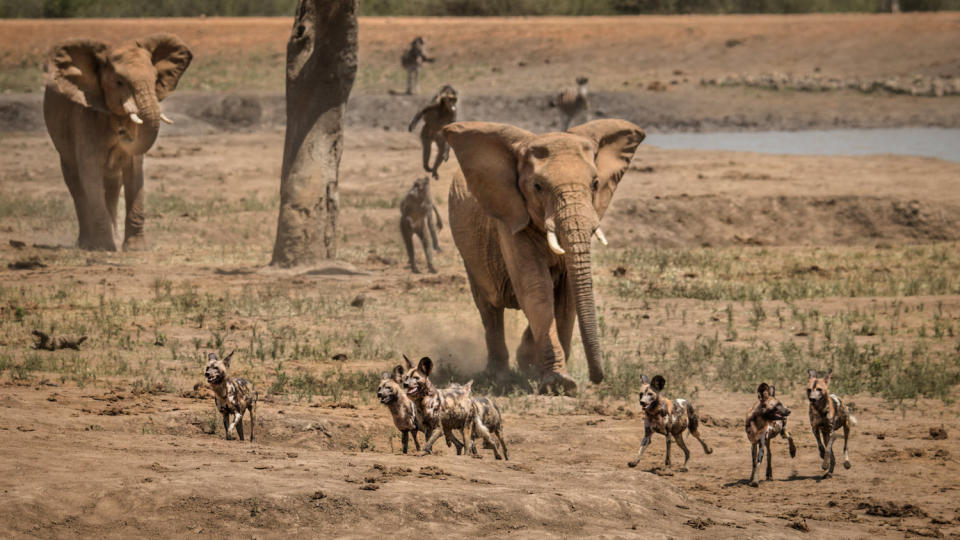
[401, 407]
[669, 418]
[234, 396]
[439, 411]
[766, 420]
[486, 421]
[827, 416]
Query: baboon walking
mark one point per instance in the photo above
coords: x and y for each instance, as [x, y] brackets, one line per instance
[441, 111]
[573, 103]
[412, 59]
[417, 214]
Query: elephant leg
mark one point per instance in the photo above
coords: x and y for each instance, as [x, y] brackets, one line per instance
[91, 183]
[112, 182]
[498, 358]
[425, 242]
[72, 178]
[406, 229]
[527, 353]
[566, 315]
[133, 237]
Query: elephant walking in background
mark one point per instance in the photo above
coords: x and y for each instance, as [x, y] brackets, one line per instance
[523, 210]
[102, 110]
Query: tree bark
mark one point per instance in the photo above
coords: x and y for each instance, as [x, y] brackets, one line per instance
[321, 68]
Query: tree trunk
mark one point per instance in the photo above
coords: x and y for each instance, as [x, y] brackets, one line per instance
[321, 67]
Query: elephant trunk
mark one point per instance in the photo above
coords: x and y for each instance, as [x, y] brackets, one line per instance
[149, 112]
[576, 224]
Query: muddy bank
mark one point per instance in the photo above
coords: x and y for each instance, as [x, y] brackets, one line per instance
[670, 108]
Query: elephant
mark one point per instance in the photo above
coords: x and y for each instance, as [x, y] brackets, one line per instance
[101, 106]
[523, 210]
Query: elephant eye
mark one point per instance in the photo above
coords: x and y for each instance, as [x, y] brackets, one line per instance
[595, 185]
[537, 187]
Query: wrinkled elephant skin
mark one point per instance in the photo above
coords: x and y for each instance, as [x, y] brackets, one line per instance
[101, 106]
[523, 209]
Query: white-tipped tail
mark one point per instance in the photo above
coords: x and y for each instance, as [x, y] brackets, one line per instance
[554, 244]
[600, 236]
[852, 420]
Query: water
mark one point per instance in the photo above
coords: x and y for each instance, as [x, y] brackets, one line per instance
[940, 143]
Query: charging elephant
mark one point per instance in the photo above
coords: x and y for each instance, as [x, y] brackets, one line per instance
[102, 109]
[523, 209]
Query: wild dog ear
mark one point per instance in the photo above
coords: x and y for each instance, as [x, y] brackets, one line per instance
[408, 362]
[773, 391]
[812, 373]
[386, 375]
[425, 366]
[226, 360]
[658, 383]
[764, 388]
[469, 385]
[398, 373]
[644, 379]
[212, 357]
[827, 378]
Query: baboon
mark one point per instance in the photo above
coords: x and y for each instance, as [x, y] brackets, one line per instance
[417, 214]
[411, 60]
[573, 103]
[441, 111]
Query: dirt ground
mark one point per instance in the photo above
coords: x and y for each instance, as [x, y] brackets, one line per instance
[752, 253]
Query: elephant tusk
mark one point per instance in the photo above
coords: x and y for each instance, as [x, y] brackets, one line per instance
[600, 236]
[135, 118]
[165, 120]
[554, 244]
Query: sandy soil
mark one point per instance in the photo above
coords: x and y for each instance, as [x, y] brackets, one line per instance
[120, 439]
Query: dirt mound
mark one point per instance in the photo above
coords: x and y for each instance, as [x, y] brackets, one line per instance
[716, 220]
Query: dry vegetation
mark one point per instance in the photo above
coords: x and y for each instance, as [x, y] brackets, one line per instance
[724, 269]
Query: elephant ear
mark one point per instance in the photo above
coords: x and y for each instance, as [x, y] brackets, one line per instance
[616, 140]
[170, 56]
[487, 153]
[73, 71]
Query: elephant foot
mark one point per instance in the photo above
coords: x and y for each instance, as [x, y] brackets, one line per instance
[100, 244]
[432, 270]
[557, 383]
[414, 269]
[135, 243]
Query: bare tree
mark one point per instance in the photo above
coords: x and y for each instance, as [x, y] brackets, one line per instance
[321, 67]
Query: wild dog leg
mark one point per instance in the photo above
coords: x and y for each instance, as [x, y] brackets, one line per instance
[832, 459]
[846, 457]
[643, 445]
[766, 442]
[683, 446]
[756, 454]
[226, 425]
[816, 433]
[238, 423]
[405, 438]
[252, 422]
[431, 439]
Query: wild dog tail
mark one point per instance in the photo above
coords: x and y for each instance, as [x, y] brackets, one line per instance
[692, 418]
[852, 420]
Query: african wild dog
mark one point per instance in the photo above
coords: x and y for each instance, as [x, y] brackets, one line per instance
[766, 420]
[390, 392]
[234, 396]
[827, 416]
[487, 420]
[439, 411]
[669, 418]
